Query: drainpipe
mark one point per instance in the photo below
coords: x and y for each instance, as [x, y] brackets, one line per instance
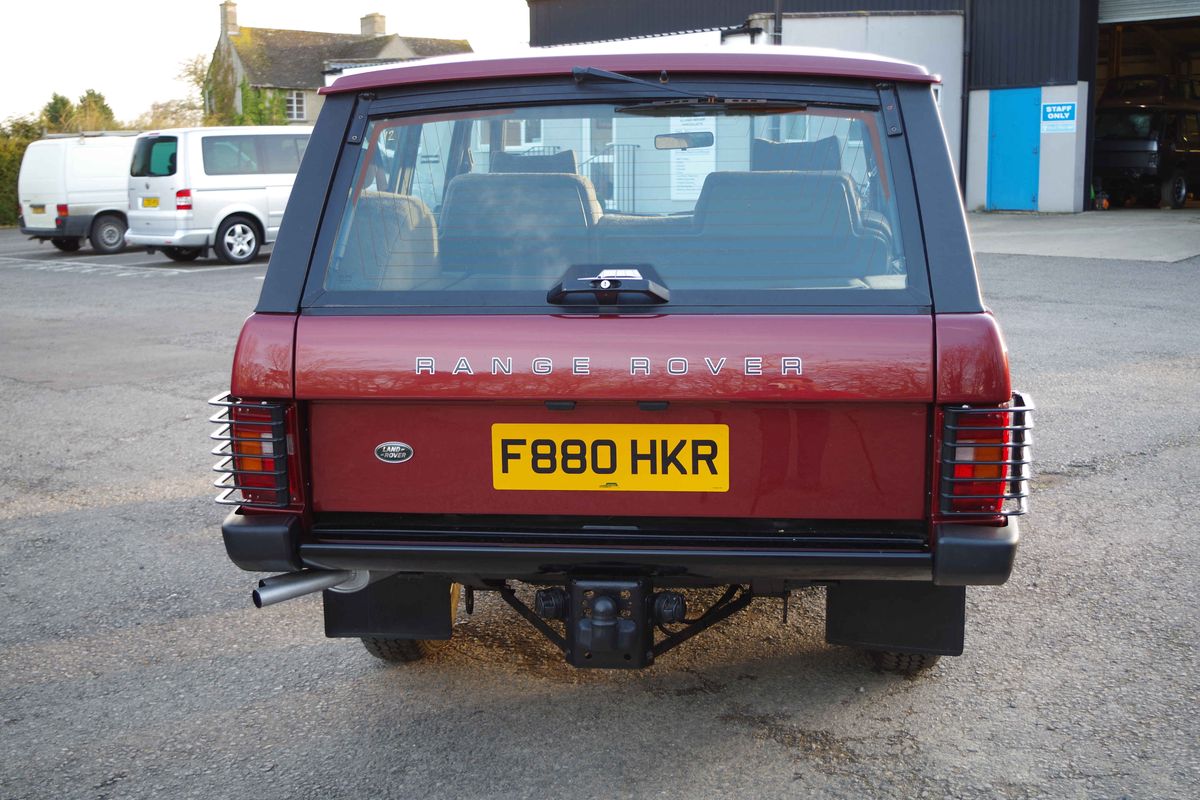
[778, 36]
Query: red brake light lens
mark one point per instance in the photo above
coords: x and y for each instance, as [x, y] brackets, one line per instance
[62, 209]
[256, 449]
[985, 460]
[183, 200]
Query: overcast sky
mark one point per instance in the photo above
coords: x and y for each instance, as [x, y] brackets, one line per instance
[131, 50]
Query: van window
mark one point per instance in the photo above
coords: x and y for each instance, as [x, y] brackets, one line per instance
[281, 154]
[274, 154]
[229, 155]
[729, 207]
[154, 157]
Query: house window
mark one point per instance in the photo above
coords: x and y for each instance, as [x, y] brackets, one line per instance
[294, 107]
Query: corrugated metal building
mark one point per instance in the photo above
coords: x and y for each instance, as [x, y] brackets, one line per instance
[1014, 59]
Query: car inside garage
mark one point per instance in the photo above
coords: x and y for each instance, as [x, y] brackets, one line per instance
[1146, 119]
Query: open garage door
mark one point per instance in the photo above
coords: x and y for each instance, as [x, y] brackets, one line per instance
[1143, 10]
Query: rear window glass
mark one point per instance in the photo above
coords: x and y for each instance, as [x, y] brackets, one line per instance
[154, 157]
[277, 154]
[790, 205]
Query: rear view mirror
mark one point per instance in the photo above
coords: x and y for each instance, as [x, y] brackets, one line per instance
[683, 141]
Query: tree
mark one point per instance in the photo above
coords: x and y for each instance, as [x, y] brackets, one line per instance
[169, 114]
[15, 136]
[93, 113]
[58, 116]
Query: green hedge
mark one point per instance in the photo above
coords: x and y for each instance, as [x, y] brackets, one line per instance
[14, 138]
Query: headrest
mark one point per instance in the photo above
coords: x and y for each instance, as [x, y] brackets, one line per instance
[562, 161]
[819, 155]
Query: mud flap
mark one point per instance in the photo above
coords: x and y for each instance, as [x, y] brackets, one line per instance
[896, 615]
[396, 607]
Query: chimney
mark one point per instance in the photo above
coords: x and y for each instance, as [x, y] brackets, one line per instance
[373, 25]
[229, 18]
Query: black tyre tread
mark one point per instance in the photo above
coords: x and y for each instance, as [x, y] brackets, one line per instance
[181, 253]
[94, 237]
[401, 651]
[903, 663]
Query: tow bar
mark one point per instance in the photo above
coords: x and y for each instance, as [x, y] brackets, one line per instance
[610, 624]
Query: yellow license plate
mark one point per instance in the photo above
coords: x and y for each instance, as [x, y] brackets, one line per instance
[39, 209]
[611, 458]
[149, 202]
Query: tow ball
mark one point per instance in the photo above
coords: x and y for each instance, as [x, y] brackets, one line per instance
[611, 624]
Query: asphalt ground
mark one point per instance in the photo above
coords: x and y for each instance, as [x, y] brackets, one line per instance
[133, 665]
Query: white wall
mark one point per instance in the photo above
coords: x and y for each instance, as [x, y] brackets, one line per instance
[1061, 162]
[977, 150]
[934, 41]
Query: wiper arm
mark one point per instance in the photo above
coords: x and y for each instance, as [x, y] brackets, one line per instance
[606, 285]
[581, 74]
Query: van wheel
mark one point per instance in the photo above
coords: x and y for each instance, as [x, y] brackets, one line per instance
[1174, 191]
[181, 253]
[237, 241]
[902, 663]
[108, 234]
[66, 245]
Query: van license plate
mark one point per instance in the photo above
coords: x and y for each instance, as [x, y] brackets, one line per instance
[149, 202]
[41, 209]
[612, 458]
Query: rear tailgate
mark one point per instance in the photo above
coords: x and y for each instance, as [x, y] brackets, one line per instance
[737, 416]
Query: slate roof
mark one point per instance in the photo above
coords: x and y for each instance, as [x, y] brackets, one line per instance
[295, 59]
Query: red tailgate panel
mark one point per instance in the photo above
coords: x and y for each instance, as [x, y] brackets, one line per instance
[818, 461]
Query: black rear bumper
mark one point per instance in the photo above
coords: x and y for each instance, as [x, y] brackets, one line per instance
[957, 555]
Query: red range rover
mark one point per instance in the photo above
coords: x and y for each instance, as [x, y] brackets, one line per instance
[613, 326]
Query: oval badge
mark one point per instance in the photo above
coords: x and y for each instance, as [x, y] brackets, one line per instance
[393, 452]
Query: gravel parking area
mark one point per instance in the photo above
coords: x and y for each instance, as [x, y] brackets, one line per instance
[133, 665]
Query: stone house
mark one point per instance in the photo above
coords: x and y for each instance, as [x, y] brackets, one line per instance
[272, 75]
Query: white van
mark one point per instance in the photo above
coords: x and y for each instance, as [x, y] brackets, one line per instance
[192, 189]
[72, 187]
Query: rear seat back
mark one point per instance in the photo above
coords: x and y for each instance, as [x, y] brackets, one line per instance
[517, 223]
[801, 223]
[391, 245]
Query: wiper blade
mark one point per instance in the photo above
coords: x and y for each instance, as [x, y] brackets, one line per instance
[727, 106]
[581, 74]
[607, 285]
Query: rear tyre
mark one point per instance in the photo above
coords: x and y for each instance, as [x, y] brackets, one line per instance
[108, 234]
[237, 241]
[405, 651]
[1174, 191]
[66, 245]
[401, 651]
[902, 663]
[181, 253]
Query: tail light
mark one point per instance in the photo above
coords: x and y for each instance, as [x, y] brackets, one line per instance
[257, 453]
[183, 200]
[986, 460]
[63, 210]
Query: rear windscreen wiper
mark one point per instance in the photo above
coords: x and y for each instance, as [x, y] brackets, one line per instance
[607, 285]
[581, 74]
[728, 106]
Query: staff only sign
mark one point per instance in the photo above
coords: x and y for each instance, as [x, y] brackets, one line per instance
[1058, 117]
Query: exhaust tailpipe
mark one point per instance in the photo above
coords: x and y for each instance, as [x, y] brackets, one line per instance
[290, 585]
